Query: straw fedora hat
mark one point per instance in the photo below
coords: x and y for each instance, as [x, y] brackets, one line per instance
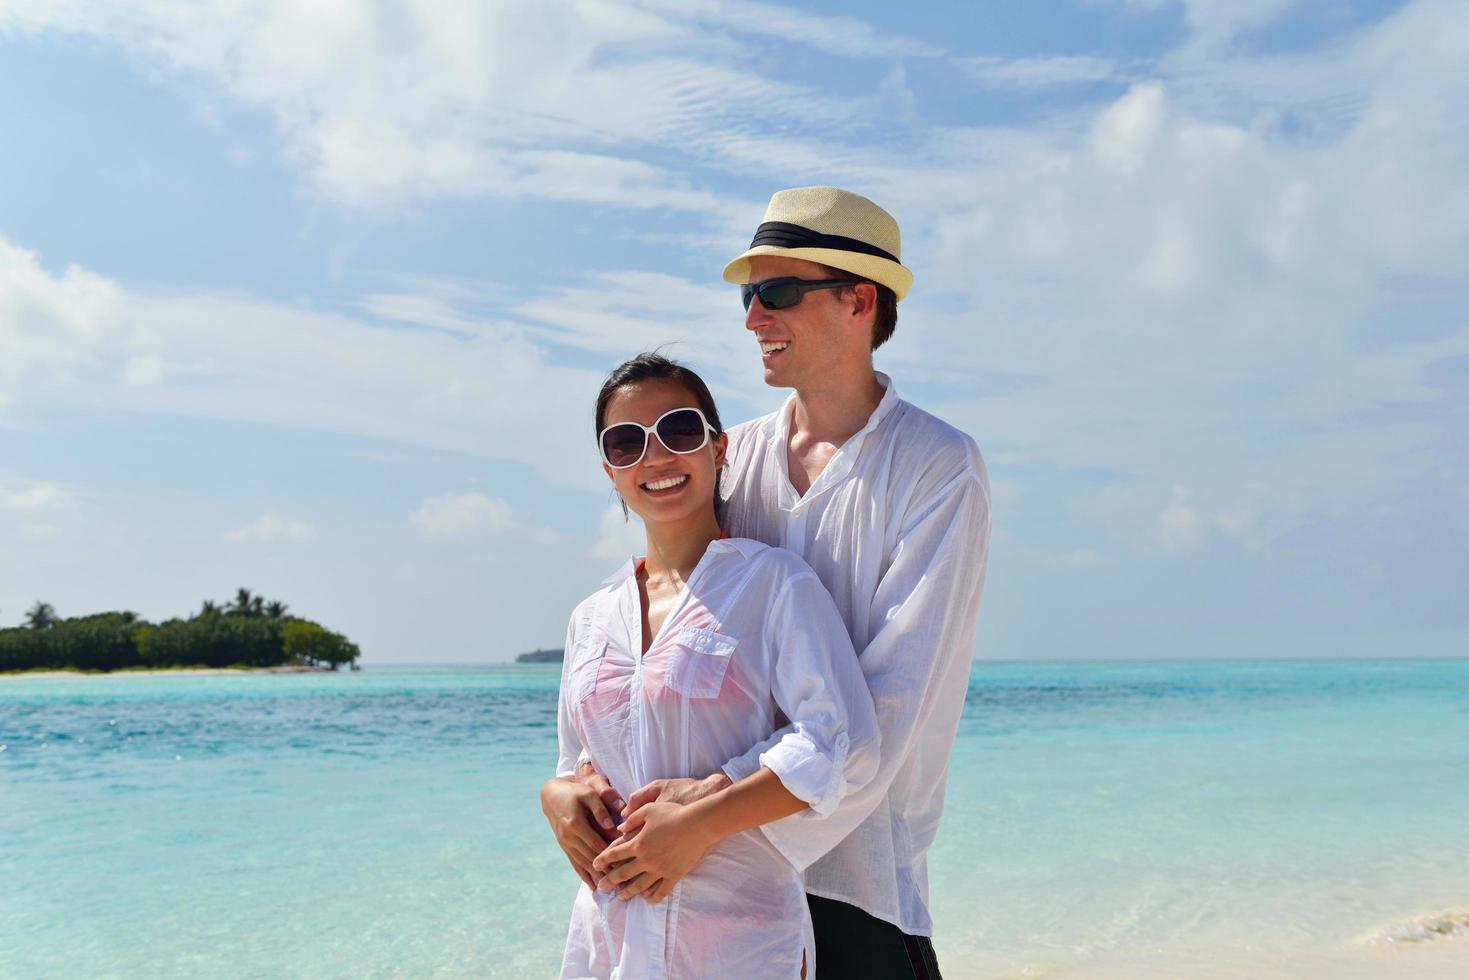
[833, 227]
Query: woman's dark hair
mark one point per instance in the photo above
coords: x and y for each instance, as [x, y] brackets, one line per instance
[653, 366]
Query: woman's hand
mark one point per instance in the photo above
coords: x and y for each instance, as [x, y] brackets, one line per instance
[581, 823]
[660, 843]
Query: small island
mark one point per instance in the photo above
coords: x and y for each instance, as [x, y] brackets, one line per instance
[248, 632]
[541, 657]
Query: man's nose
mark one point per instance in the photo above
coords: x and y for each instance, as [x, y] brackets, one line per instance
[757, 315]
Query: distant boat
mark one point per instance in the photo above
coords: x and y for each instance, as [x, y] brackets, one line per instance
[541, 657]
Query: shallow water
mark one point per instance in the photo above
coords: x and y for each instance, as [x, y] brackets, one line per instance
[385, 822]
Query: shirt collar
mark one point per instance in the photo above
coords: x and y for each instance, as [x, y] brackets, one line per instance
[745, 547]
[884, 408]
[628, 569]
[840, 464]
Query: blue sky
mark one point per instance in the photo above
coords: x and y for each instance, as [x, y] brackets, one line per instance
[315, 298]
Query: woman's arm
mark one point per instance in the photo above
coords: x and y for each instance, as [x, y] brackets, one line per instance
[577, 812]
[580, 822]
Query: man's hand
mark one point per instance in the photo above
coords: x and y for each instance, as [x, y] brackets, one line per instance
[682, 791]
[580, 821]
[660, 843]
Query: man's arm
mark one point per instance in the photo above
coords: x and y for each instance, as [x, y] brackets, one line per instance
[917, 662]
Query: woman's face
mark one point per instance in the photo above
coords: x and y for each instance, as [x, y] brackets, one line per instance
[663, 487]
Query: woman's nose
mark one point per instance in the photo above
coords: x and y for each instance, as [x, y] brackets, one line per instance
[656, 451]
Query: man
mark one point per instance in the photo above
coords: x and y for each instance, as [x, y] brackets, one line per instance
[890, 507]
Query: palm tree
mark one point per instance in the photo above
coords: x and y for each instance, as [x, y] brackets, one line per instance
[242, 603]
[210, 608]
[42, 616]
[276, 609]
[257, 606]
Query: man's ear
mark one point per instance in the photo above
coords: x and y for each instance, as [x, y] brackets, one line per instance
[864, 298]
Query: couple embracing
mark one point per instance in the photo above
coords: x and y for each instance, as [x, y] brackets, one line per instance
[756, 717]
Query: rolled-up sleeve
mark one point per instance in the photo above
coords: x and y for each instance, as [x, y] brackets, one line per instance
[831, 744]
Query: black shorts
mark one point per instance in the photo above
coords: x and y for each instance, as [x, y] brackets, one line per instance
[852, 945]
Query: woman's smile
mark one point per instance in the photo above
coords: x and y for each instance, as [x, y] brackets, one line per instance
[665, 486]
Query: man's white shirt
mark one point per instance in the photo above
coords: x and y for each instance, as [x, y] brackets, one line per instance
[897, 528]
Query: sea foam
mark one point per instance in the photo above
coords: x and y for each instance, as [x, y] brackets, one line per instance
[1444, 925]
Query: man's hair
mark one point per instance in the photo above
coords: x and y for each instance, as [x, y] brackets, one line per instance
[885, 321]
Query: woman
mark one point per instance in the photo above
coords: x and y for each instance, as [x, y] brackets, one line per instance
[683, 660]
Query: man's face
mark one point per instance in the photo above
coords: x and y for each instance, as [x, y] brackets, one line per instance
[806, 343]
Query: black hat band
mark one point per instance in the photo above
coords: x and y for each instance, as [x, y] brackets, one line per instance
[785, 235]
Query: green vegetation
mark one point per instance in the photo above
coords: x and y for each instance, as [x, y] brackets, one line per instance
[246, 632]
[540, 657]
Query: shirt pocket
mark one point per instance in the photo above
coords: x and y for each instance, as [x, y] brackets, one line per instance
[582, 681]
[698, 662]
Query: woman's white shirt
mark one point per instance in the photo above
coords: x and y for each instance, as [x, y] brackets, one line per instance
[754, 644]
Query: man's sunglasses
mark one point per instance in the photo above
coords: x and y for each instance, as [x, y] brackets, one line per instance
[682, 431]
[783, 293]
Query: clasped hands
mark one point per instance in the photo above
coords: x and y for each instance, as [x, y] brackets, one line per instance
[659, 839]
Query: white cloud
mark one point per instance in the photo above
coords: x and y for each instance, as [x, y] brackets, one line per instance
[1167, 297]
[1215, 22]
[1080, 558]
[47, 323]
[32, 499]
[74, 340]
[270, 527]
[462, 513]
[846, 36]
[33, 507]
[142, 370]
[621, 313]
[593, 101]
[1126, 133]
[1197, 282]
[511, 99]
[1179, 525]
[1041, 72]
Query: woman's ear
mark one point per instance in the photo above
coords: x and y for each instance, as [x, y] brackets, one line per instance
[721, 446]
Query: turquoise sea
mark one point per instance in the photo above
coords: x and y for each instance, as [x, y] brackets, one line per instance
[1302, 818]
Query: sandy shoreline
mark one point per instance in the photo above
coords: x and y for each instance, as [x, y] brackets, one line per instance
[163, 672]
[1448, 960]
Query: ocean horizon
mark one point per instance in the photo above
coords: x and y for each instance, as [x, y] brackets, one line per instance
[1201, 818]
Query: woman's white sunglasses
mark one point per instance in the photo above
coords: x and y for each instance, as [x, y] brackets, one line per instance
[682, 431]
